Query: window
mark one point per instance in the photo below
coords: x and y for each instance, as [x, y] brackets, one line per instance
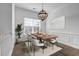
[31, 25]
[58, 23]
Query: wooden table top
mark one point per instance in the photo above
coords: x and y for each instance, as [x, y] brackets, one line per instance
[44, 36]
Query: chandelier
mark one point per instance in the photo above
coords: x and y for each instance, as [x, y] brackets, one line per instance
[42, 15]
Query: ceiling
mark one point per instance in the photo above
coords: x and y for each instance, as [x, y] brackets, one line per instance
[36, 7]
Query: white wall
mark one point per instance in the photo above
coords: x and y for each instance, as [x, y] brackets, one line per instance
[70, 34]
[24, 13]
[71, 13]
[6, 40]
[5, 17]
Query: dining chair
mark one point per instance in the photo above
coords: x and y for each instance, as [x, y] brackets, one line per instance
[54, 42]
[36, 43]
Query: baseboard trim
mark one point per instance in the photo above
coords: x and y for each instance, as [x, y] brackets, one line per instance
[69, 44]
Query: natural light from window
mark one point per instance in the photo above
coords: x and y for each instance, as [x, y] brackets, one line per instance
[31, 25]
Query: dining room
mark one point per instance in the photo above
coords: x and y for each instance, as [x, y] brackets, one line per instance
[46, 29]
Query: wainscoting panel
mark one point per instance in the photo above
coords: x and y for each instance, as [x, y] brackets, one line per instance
[69, 39]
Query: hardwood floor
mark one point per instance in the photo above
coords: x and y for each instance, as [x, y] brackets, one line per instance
[67, 51]
[19, 50]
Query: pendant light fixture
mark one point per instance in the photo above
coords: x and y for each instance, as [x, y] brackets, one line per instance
[42, 15]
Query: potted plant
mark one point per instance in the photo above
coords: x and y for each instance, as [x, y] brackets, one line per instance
[18, 30]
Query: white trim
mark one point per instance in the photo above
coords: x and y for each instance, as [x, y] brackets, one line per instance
[13, 28]
[69, 44]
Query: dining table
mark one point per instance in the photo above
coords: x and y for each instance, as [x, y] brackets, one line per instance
[44, 37]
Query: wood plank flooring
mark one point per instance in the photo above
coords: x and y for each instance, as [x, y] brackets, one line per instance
[19, 50]
[67, 51]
